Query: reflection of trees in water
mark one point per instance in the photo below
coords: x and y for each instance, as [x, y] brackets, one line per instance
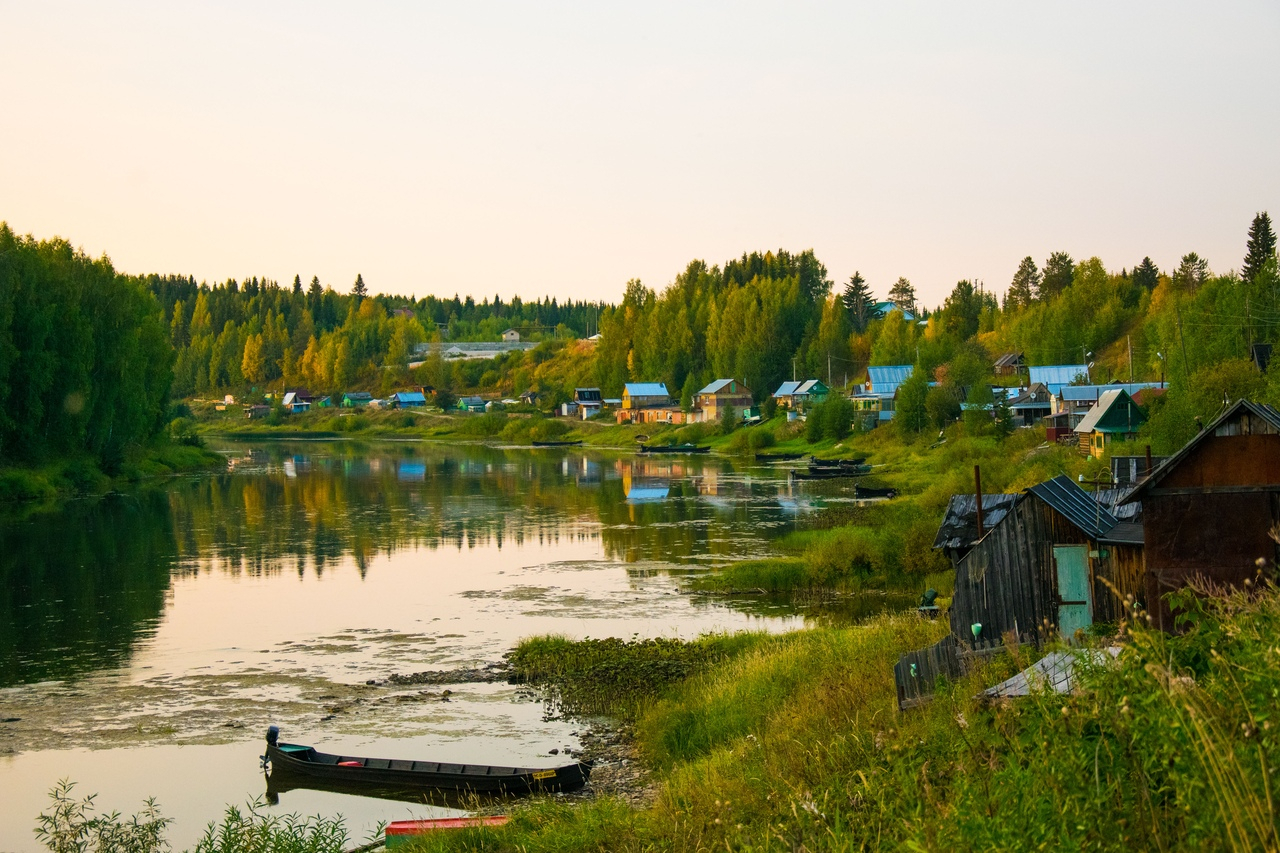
[346, 500]
[79, 587]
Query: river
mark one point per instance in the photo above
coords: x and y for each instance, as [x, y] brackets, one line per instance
[148, 639]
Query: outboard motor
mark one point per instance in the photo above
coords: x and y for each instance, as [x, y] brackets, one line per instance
[273, 736]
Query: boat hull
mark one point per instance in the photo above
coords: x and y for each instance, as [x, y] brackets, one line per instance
[392, 774]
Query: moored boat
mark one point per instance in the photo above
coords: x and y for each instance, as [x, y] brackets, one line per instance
[403, 831]
[354, 771]
[557, 444]
[672, 448]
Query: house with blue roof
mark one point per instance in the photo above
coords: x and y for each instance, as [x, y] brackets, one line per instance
[645, 395]
[797, 395]
[409, 399]
[1077, 400]
[720, 395]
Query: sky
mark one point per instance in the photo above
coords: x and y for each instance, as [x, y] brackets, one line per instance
[561, 149]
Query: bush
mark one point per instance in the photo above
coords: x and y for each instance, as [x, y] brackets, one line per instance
[487, 425]
[748, 441]
[183, 431]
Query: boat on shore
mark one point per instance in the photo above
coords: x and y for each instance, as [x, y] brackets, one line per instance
[557, 444]
[860, 491]
[672, 448]
[778, 457]
[400, 832]
[856, 462]
[389, 773]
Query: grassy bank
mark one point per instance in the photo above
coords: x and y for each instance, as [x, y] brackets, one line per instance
[794, 743]
[82, 475]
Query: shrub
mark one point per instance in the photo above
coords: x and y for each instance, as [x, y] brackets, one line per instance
[487, 425]
[183, 431]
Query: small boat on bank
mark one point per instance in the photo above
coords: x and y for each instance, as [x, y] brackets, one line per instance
[778, 457]
[557, 444]
[389, 773]
[672, 448]
[856, 462]
[860, 491]
[400, 832]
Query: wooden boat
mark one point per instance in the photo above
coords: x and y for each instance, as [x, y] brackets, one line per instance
[390, 773]
[672, 448]
[400, 832]
[778, 457]
[870, 492]
[814, 462]
[557, 444]
[822, 474]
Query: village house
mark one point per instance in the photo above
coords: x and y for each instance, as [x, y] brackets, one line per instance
[648, 402]
[409, 399]
[589, 400]
[1031, 405]
[530, 397]
[294, 404]
[256, 411]
[720, 395]
[883, 382]
[1210, 508]
[798, 395]
[471, 404]
[1010, 364]
[511, 336]
[356, 399]
[1077, 400]
[1056, 376]
[1114, 417]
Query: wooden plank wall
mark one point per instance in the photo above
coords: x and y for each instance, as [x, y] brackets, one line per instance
[915, 687]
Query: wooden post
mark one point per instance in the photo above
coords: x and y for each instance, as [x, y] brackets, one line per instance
[1149, 465]
[977, 483]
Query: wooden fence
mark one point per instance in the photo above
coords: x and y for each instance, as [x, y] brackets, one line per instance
[917, 673]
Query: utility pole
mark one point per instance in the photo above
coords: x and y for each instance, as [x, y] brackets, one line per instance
[793, 368]
[828, 369]
[1186, 372]
[1129, 342]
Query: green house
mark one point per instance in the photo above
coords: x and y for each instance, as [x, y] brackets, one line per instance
[1114, 417]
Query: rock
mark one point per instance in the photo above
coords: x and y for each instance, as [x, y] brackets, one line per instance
[555, 752]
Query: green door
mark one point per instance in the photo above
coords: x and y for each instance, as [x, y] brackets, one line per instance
[1075, 604]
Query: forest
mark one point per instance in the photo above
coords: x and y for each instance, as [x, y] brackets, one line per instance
[89, 357]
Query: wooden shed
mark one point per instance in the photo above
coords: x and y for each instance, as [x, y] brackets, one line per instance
[1209, 509]
[1057, 562]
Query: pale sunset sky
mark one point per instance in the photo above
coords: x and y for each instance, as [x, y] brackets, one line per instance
[561, 149]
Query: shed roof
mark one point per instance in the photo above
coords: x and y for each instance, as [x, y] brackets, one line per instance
[887, 378]
[812, 386]
[1075, 504]
[1009, 359]
[471, 401]
[358, 395]
[1055, 376]
[786, 389]
[1114, 412]
[1243, 416]
[646, 389]
[409, 397]
[959, 528]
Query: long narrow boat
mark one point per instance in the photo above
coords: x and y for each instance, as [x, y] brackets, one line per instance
[557, 444]
[860, 491]
[354, 771]
[815, 462]
[672, 448]
[778, 457]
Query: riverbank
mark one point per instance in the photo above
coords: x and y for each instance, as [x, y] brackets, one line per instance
[80, 476]
[794, 743]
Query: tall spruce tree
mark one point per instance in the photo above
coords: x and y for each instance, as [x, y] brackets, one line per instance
[1146, 275]
[1058, 272]
[1261, 246]
[858, 301]
[297, 283]
[358, 290]
[903, 295]
[1025, 285]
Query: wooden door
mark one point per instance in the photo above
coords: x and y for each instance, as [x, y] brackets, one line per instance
[1075, 601]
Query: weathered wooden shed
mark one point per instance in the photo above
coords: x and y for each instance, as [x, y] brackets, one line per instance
[1209, 509]
[1057, 562]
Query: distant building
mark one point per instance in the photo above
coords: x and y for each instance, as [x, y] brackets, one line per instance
[590, 401]
[257, 411]
[1031, 405]
[1115, 417]
[644, 395]
[472, 349]
[409, 399]
[1010, 364]
[356, 399]
[530, 397]
[511, 336]
[722, 394]
[1055, 376]
[798, 395]
[293, 404]
[882, 383]
[471, 404]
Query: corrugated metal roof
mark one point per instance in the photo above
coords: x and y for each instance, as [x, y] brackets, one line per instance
[723, 384]
[1009, 359]
[1105, 401]
[646, 389]
[1261, 411]
[786, 389]
[1125, 533]
[409, 397]
[1057, 375]
[1080, 393]
[887, 378]
[959, 528]
[1075, 504]
[809, 386]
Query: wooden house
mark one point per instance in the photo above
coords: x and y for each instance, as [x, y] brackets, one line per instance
[644, 395]
[1114, 417]
[356, 399]
[720, 395]
[1057, 562]
[472, 404]
[1031, 405]
[1010, 364]
[798, 395]
[409, 399]
[1209, 510]
[511, 336]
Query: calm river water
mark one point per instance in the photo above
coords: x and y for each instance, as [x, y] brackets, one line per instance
[147, 640]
